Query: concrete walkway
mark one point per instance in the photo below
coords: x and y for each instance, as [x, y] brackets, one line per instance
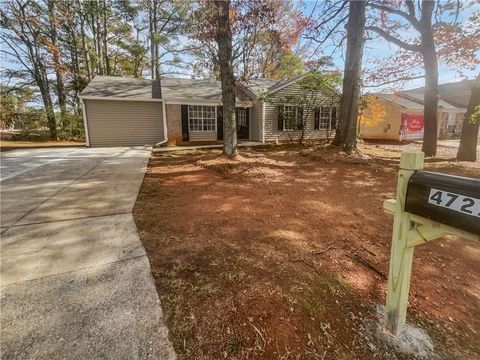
[75, 279]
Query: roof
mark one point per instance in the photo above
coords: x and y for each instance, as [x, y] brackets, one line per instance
[414, 101]
[456, 93]
[261, 85]
[121, 87]
[147, 89]
[177, 89]
[400, 101]
[207, 89]
[418, 97]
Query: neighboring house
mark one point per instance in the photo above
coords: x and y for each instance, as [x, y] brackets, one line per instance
[127, 111]
[403, 118]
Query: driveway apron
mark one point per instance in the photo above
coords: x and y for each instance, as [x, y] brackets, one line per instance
[75, 279]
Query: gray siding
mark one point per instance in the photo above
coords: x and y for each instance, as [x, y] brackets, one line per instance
[271, 120]
[124, 123]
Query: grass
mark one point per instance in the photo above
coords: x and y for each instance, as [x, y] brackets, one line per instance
[6, 145]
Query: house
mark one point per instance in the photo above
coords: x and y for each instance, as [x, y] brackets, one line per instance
[127, 111]
[402, 117]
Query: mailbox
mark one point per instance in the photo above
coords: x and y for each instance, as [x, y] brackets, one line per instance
[447, 199]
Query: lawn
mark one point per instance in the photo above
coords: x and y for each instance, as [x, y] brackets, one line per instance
[17, 144]
[283, 253]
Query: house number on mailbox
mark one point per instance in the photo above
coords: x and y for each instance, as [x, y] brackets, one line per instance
[464, 204]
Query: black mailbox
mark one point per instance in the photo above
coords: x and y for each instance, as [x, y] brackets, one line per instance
[447, 199]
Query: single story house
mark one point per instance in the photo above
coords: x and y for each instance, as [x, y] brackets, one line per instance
[402, 118]
[120, 111]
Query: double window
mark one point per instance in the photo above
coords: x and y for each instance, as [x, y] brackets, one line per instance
[202, 118]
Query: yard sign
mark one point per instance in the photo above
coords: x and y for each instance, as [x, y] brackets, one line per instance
[427, 207]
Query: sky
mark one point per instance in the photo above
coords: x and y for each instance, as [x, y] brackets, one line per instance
[379, 48]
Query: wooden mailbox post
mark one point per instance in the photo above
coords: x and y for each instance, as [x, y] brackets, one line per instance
[410, 229]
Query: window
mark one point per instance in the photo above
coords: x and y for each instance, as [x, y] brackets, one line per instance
[242, 117]
[292, 117]
[201, 118]
[451, 124]
[325, 118]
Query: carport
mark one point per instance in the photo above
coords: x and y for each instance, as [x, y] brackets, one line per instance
[123, 112]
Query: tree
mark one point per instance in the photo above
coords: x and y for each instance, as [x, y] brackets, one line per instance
[467, 151]
[54, 48]
[264, 34]
[223, 37]
[372, 111]
[438, 37]
[24, 42]
[346, 134]
[12, 104]
[426, 47]
[167, 22]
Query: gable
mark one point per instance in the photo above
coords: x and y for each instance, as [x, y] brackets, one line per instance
[294, 89]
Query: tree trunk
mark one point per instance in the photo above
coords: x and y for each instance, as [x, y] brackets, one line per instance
[42, 83]
[153, 31]
[467, 151]
[346, 134]
[223, 38]
[430, 64]
[86, 53]
[105, 41]
[55, 50]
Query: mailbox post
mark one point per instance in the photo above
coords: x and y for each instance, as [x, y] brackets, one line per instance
[417, 221]
[401, 256]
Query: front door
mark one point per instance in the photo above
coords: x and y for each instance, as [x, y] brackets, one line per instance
[243, 122]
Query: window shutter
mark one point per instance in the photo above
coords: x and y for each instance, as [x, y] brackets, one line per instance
[219, 122]
[316, 124]
[300, 123]
[185, 135]
[280, 117]
[333, 121]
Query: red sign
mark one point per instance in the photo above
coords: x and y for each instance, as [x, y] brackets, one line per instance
[411, 126]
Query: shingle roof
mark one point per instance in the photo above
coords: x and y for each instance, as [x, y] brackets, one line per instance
[260, 85]
[456, 93]
[121, 87]
[413, 101]
[175, 88]
[401, 101]
[418, 97]
[138, 89]
[207, 89]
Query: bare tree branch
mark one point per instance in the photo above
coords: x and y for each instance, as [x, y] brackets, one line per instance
[393, 39]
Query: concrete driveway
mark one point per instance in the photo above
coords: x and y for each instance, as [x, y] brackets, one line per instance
[75, 279]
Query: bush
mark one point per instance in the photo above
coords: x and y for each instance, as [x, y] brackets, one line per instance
[33, 127]
[72, 128]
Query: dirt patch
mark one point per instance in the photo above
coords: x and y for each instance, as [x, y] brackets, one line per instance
[282, 253]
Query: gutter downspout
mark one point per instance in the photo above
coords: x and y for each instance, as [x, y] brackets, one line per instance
[165, 127]
[263, 122]
[85, 122]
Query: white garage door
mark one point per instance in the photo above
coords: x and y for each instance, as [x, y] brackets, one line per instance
[124, 123]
